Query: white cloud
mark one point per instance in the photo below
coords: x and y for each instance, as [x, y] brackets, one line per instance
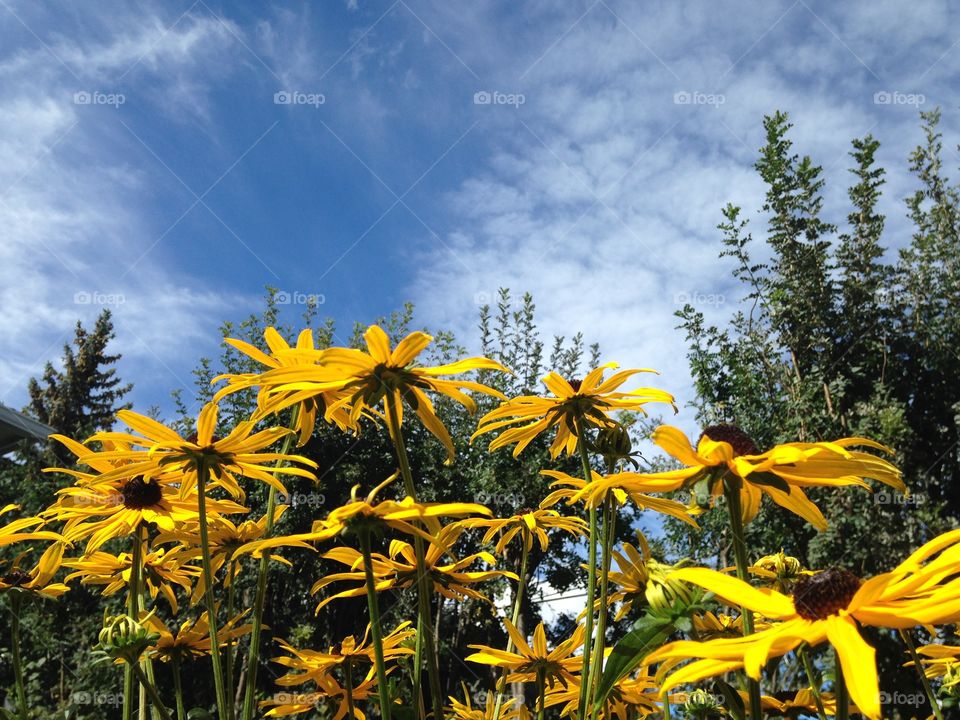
[75, 208]
[614, 220]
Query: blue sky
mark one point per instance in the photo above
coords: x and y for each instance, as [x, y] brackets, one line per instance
[168, 160]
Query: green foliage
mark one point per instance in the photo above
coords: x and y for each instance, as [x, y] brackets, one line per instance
[836, 342]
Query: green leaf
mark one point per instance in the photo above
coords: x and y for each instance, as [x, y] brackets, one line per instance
[731, 700]
[648, 633]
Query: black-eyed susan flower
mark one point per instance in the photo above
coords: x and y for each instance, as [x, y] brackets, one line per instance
[572, 405]
[629, 699]
[161, 454]
[37, 580]
[190, 639]
[162, 570]
[314, 665]
[367, 514]
[380, 374]
[620, 486]
[828, 606]
[528, 663]
[641, 578]
[451, 578]
[309, 403]
[530, 525]
[782, 473]
[227, 542]
[119, 509]
[466, 710]
[328, 696]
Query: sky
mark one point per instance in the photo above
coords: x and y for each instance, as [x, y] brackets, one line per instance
[168, 160]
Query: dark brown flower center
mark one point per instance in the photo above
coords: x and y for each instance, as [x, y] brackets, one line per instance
[816, 597]
[15, 578]
[741, 443]
[575, 384]
[139, 493]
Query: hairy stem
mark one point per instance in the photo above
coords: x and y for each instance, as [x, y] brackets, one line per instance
[256, 622]
[202, 477]
[424, 583]
[376, 632]
[734, 512]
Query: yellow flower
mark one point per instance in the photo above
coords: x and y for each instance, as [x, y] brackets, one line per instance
[780, 571]
[639, 576]
[37, 580]
[622, 486]
[803, 700]
[18, 530]
[402, 515]
[226, 540]
[162, 569]
[317, 667]
[380, 374]
[304, 355]
[450, 579]
[725, 451]
[530, 525]
[558, 666]
[165, 454]
[307, 665]
[826, 607]
[466, 711]
[573, 405]
[105, 511]
[630, 698]
[328, 691]
[192, 638]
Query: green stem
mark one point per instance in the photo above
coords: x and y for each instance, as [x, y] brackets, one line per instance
[734, 512]
[841, 692]
[348, 687]
[585, 689]
[424, 583]
[202, 477]
[934, 705]
[541, 692]
[812, 679]
[231, 600]
[151, 691]
[514, 618]
[376, 631]
[256, 622]
[133, 610]
[178, 688]
[16, 605]
[609, 528]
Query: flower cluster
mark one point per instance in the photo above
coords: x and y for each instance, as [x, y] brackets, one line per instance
[166, 520]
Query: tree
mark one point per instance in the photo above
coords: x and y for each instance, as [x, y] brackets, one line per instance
[837, 342]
